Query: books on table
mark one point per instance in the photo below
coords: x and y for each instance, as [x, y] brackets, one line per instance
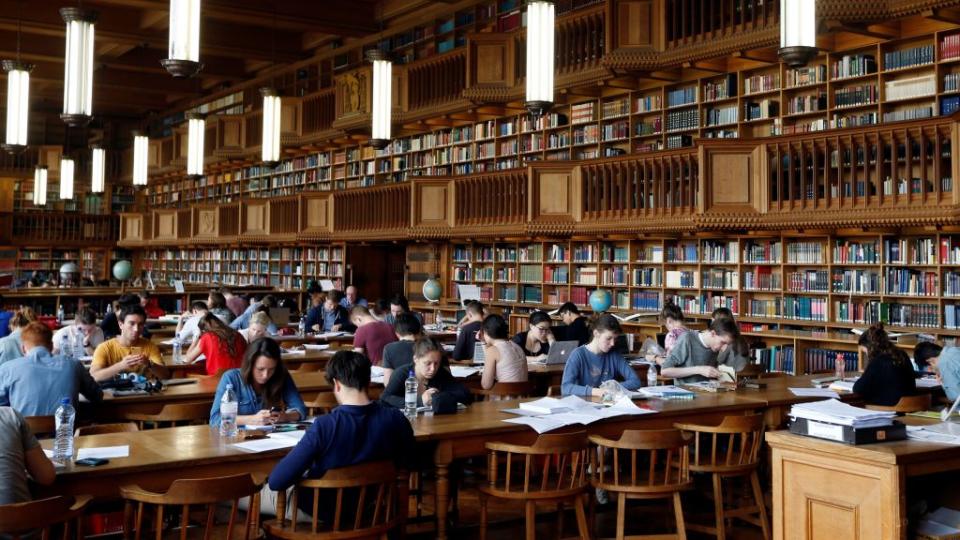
[665, 392]
[569, 411]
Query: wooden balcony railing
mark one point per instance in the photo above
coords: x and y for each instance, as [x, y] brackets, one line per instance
[580, 42]
[63, 228]
[319, 111]
[373, 209]
[491, 199]
[436, 80]
[696, 21]
[284, 215]
[638, 186]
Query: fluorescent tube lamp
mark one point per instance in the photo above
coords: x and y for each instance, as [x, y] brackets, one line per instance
[184, 39]
[540, 43]
[97, 169]
[270, 143]
[141, 145]
[78, 66]
[798, 32]
[382, 98]
[66, 178]
[196, 126]
[18, 104]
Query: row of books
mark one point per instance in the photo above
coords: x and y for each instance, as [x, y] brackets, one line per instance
[903, 58]
[681, 279]
[909, 251]
[910, 88]
[853, 66]
[805, 253]
[683, 119]
[805, 308]
[705, 303]
[856, 281]
[720, 89]
[873, 311]
[619, 107]
[950, 47]
[720, 279]
[769, 308]
[905, 281]
[856, 252]
[762, 279]
[915, 113]
[762, 109]
[809, 281]
[761, 83]
[682, 96]
[763, 252]
[825, 360]
[856, 95]
[807, 103]
[806, 75]
[778, 358]
[721, 116]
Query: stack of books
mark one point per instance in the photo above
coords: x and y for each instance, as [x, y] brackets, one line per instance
[837, 421]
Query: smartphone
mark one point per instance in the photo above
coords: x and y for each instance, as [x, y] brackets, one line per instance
[92, 462]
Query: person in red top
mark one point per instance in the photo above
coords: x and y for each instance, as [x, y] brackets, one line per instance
[223, 346]
[371, 335]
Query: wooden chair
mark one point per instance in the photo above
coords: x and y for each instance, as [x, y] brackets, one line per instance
[185, 493]
[644, 465]
[171, 413]
[323, 403]
[101, 429]
[24, 518]
[907, 404]
[365, 500]
[551, 470]
[504, 390]
[729, 450]
[46, 425]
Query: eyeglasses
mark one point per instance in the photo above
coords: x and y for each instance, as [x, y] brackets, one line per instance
[543, 328]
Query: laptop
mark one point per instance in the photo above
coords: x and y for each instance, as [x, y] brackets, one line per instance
[559, 352]
[478, 355]
[280, 316]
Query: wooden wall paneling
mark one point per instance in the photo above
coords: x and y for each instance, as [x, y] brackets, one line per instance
[228, 221]
[7, 194]
[50, 157]
[291, 111]
[253, 129]
[165, 224]
[132, 230]
[319, 111]
[436, 80]
[490, 59]
[229, 131]
[316, 214]
[432, 204]
[206, 222]
[184, 224]
[424, 261]
[554, 193]
[255, 218]
[634, 24]
[283, 216]
[163, 152]
[727, 179]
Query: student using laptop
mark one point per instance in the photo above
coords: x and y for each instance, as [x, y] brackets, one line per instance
[536, 341]
[466, 339]
[504, 360]
[576, 325]
[597, 361]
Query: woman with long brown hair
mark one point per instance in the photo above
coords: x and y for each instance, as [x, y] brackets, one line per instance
[221, 345]
[888, 375]
[266, 394]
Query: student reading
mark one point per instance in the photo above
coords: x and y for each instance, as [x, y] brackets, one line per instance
[128, 352]
[944, 361]
[504, 360]
[889, 375]
[696, 355]
[357, 431]
[436, 387]
[592, 364]
[222, 346]
[261, 383]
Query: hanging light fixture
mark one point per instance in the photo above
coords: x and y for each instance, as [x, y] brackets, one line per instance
[540, 29]
[141, 145]
[40, 186]
[78, 66]
[184, 39]
[18, 97]
[97, 169]
[270, 144]
[798, 32]
[382, 98]
[66, 178]
[196, 125]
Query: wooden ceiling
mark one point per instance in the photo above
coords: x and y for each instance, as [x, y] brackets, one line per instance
[238, 41]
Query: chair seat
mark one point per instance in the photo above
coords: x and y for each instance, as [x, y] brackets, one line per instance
[275, 529]
[518, 494]
[644, 492]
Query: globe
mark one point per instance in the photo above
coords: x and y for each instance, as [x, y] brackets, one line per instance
[600, 300]
[432, 290]
[122, 270]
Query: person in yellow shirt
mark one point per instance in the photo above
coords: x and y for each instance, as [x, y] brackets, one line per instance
[128, 352]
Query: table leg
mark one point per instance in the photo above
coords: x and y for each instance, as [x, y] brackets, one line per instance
[442, 459]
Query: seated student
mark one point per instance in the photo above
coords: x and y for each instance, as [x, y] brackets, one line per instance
[945, 362]
[672, 318]
[592, 364]
[889, 375]
[352, 298]
[129, 351]
[696, 355]
[84, 328]
[922, 353]
[398, 305]
[436, 387]
[266, 303]
[330, 316]
[151, 305]
[467, 337]
[738, 352]
[217, 304]
[5, 317]
[221, 345]
[259, 327]
[504, 360]
[359, 430]
[110, 325]
[371, 335]
[400, 352]
[261, 383]
[236, 304]
[380, 310]
[20, 454]
[189, 325]
[575, 328]
[35, 383]
[536, 341]
[10, 348]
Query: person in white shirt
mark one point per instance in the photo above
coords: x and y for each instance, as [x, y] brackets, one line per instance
[84, 328]
[189, 325]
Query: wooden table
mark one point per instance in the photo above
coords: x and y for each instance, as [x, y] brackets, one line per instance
[827, 490]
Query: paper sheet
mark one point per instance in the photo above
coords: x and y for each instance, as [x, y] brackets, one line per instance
[316, 346]
[462, 372]
[272, 442]
[106, 452]
[814, 392]
[540, 424]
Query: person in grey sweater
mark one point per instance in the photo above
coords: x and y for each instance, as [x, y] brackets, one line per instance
[696, 355]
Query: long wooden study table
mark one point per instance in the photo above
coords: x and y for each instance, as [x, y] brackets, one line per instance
[160, 456]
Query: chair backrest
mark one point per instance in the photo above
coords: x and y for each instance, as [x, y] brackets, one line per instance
[40, 425]
[101, 429]
[185, 493]
[24, 518]
[359, 501]
[732, 446]
[651, 463]
[907, 404]
[171, 413]
[554, 465]
[505, 390]
[323, 403]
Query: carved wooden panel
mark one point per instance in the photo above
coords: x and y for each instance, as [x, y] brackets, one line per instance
[555, 194]
[131, 228]
[290, 109]
[634, 24]
[316, 214]
[207, 225]
[165, 225]
[256, 218]
[353, 89]
[729, 179]
[50, 156]
[490, 60]
[230, 132]
[432, 203]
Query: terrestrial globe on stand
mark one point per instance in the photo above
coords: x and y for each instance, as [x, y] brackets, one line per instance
[122, 271]
[600, 300]
[432, 291]
[69, 275]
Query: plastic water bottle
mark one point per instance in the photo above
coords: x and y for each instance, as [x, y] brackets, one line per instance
[410, 396]
[228, 413]
[63, 444]
[61, 315]
[302, 327]
[65, 347]
[177, 353]
[78, 349]
[840, 367]
[652, 375]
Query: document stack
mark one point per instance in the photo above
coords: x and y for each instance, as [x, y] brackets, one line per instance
[836, 421]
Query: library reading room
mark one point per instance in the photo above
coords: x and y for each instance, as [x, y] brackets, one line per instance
[452, 269]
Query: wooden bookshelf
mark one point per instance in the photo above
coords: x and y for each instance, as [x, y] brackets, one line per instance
[92, 261]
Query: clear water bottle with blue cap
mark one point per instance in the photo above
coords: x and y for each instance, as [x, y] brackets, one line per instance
[177, 349]
[228, 412]
[63, 443]
[410, 395]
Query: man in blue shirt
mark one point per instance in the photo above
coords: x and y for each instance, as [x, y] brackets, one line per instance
[946, 364]
[352, 298]
[35, 383]
[358, 431]
[330, 316]
[592, 364]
